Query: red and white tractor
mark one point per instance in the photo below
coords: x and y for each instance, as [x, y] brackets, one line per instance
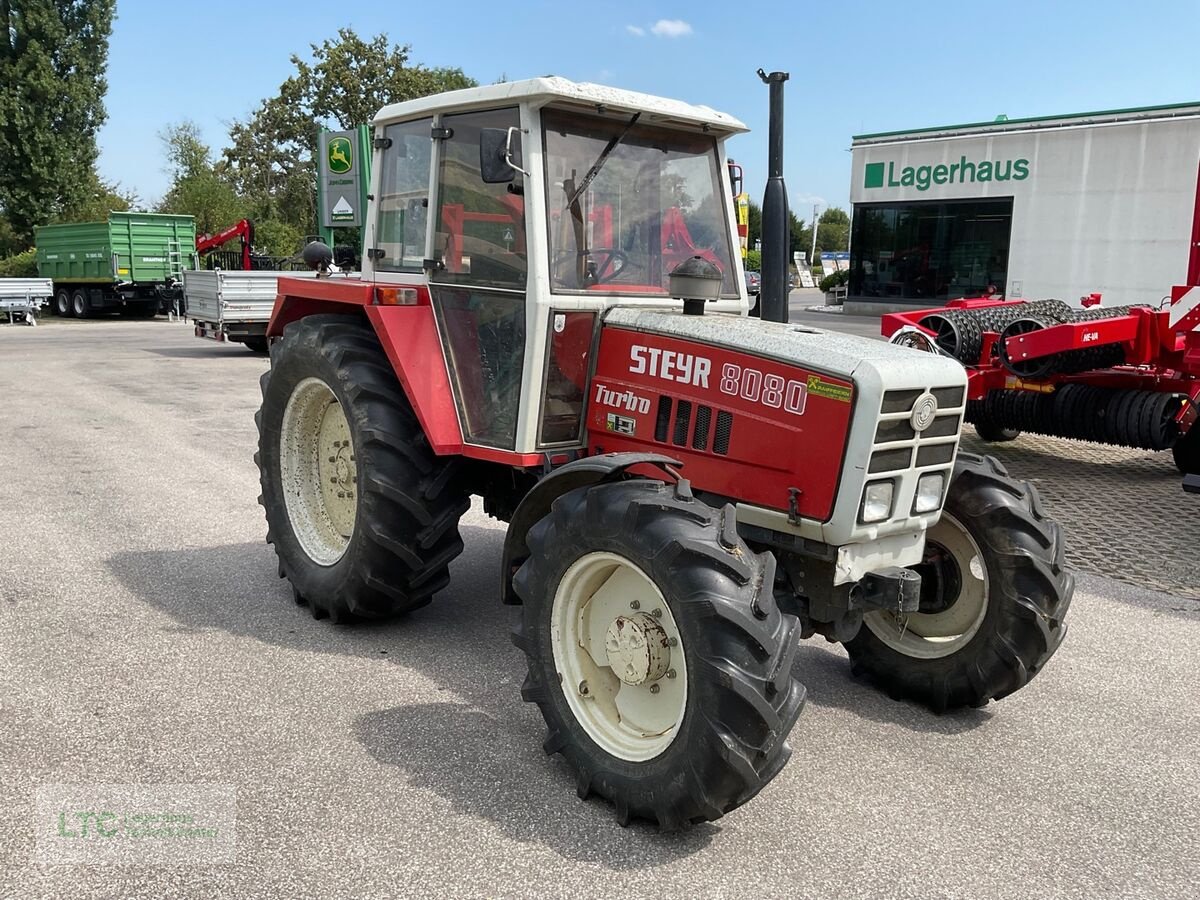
[689, 491]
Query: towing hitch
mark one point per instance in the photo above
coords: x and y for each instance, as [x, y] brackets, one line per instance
[893, 589]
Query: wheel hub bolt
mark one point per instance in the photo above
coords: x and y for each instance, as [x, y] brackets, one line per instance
[583, 688]
[634, 604]
[654, 688]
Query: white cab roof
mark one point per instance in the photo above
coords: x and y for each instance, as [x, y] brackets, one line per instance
[541, 91]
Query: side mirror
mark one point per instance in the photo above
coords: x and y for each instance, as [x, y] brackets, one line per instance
[497, 164]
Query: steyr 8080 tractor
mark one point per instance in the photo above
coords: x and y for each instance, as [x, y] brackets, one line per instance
[551, 316]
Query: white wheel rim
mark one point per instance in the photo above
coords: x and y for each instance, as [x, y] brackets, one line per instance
[935, 635]
[610, 620]
[318, 471]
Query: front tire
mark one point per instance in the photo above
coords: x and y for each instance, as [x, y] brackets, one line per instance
[362, 514]
[994, 595]
[257, 344]
[696, 724]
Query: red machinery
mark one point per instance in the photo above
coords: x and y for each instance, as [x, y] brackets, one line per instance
[244, 230]
[1127, 376]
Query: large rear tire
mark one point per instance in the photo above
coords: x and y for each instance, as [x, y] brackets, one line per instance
[362, 513]
[994, 595]
[257, 344]
[62, 303]
[79, 304]
[656, 653]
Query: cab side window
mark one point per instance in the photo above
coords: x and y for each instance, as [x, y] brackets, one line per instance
[404, 197]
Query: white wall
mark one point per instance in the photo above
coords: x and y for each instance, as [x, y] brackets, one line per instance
[1105, 208]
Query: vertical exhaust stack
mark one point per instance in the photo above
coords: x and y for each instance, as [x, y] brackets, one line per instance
[773, 299]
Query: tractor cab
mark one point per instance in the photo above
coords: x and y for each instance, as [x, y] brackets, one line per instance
[527, 209]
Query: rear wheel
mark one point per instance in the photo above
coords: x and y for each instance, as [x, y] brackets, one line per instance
[79, 304]
[993, 433]
[257, 344]
[62, 303]
[1187, 452]
[656, 653]
[363, 515]
[994, 593]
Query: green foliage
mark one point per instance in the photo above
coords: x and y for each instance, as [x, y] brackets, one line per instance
[833, 231]
[53, 55]
[100, 199]
[269, 161]
[198, 187]
[20, 265]
[276, 238]
[836, 279]
[753, 261]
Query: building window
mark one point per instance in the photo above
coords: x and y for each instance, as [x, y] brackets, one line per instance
[931, 251]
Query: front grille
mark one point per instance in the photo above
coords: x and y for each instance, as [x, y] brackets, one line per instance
[896, 438]
[724, 432]
[683, 422]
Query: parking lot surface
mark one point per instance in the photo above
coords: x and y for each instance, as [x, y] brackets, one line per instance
[145, 638]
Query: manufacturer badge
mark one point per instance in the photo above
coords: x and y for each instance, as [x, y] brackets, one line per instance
[923, 412]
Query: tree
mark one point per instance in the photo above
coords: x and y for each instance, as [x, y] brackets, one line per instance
[347, 81]
[197, 185]
[53, 55]
[833, 231]
[100, 199]
[799, 234]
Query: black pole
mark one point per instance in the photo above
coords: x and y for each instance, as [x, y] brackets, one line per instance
[773, 301]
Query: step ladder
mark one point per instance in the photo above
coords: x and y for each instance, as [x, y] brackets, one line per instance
[175, 271]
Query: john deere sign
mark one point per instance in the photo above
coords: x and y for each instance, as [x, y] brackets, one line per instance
[965, 171]
[342, 179]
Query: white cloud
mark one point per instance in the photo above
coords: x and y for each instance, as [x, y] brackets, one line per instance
[671, 28]
[635, 30]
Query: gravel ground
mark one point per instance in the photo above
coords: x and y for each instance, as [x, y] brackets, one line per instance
[145, 638]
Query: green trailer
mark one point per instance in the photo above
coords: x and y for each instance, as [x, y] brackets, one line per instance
[129, 263]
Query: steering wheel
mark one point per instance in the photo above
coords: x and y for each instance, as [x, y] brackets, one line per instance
[616, 260]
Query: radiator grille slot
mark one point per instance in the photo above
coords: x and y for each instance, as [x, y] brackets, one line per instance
[890, 460]
[663, 422]
[933, 454]
[724, 430]
[683, 422]
[703, 421]
[900, 401]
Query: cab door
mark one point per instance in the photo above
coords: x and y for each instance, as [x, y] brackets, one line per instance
[478, 276]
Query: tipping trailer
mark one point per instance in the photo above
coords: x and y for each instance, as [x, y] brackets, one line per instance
[127, 263]
[233, 305]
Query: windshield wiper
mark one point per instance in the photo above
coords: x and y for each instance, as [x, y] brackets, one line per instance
[601, 159]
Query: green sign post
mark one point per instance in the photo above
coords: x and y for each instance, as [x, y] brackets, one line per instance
[343, 179]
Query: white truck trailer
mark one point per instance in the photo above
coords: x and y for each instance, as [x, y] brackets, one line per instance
[24, 297]
[233, 305]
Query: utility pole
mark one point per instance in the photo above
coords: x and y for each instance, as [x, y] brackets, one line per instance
[812, 258]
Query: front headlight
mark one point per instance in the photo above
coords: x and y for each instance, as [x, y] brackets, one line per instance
[929, 492]
[877, 502]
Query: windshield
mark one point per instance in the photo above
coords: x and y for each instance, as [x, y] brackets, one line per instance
[654, 200]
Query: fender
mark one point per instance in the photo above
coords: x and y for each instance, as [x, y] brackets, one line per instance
[536, 504]
[408, 335]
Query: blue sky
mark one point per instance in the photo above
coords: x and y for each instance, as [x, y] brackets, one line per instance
[855, 67]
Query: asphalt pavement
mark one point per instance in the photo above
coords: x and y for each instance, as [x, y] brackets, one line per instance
[145, 638]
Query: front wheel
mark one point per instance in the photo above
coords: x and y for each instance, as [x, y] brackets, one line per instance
[656, 653]
[994, 593]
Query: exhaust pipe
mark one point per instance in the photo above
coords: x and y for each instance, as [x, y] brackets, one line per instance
[773, 296]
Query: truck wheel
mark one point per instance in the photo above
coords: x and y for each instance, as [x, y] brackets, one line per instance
[62, 303]
[257, 344]
[656, 653]
[363, 515]
[79, 304]
[1187, 452]
[994, 593]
